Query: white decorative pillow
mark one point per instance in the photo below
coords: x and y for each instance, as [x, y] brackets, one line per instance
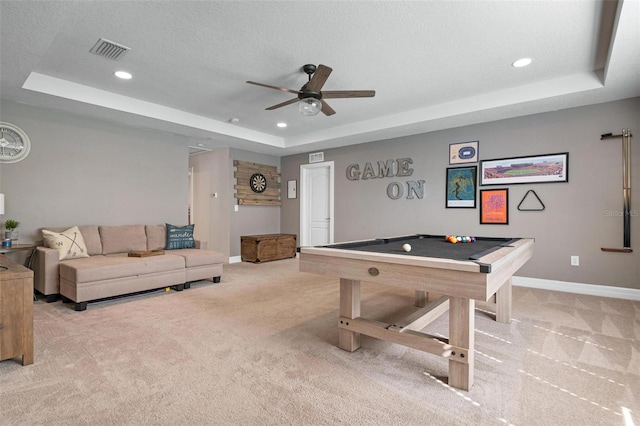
[69, 243]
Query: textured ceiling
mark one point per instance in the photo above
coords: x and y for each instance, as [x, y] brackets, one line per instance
[433, 64]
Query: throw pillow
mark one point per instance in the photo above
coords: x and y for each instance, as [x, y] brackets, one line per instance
[69, 243]
[180, 237]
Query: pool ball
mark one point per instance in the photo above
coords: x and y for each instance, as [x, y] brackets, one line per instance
[406, 247]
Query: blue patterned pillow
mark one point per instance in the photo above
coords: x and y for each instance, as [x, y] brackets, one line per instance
[180, 237]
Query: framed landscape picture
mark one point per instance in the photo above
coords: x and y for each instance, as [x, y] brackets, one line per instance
[531, 169]
[461, 187]
[494, 206]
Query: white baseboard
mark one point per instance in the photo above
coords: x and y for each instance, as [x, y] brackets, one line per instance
[569, 287]
[235, 259]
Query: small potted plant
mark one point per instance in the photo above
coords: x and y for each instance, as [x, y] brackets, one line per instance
[10, 232]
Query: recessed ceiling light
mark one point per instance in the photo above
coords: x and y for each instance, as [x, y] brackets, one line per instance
[281, 124]
[123, 75]
[521, 62]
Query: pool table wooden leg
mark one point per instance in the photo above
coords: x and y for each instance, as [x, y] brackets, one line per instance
[503, 302]
[461, 334]
[421, 298]
[349, 308]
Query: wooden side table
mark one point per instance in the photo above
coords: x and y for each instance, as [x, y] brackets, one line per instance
[16, 311]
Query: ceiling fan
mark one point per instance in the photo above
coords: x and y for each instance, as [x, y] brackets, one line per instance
[310, 98]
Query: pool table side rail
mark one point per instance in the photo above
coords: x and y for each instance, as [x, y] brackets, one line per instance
[442, 276]
[471, 285]
[401, 259]
[504, 267]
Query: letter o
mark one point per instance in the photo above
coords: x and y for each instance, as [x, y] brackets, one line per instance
[395, 190]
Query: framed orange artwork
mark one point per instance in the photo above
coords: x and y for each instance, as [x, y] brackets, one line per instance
[494, 206]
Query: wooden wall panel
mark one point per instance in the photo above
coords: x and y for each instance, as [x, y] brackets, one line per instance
[245, 195]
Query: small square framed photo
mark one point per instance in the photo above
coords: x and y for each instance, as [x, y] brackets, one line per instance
[463, 152]
[494, 206]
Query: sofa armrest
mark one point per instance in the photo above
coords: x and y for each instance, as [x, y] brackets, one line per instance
[46, 272]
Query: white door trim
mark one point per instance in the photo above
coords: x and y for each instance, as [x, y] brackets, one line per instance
[304, 213]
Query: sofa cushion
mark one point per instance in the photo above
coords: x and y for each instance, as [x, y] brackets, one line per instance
[99, 268]
[123, 239]
[156, 237]
[69, 243]
[91, 237]
[89, 233]
[197, 257]
[180, 237]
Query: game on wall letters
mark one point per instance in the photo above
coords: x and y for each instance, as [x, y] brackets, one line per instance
[401, 167]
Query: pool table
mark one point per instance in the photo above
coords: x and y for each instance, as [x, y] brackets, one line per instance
[460, 273]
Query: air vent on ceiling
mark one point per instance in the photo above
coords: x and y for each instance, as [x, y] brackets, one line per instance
[109, 49]
[316, 157]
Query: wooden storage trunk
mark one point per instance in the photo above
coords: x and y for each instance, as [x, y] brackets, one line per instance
[263, 248]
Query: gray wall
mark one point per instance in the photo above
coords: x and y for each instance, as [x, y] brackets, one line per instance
[212, 214]
[581, 216]
[85, 171]
[215, 217]
[88, 171]
[252, 220]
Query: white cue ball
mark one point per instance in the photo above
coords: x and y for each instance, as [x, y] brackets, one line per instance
[406, 247]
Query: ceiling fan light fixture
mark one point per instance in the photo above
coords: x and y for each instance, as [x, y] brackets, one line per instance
[310, 106]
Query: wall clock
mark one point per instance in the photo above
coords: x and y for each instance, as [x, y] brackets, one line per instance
[258, 183]
[14, 143]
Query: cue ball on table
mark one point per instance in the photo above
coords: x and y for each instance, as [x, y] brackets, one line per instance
[406, 247]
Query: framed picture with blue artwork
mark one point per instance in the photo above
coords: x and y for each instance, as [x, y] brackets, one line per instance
[461, 187]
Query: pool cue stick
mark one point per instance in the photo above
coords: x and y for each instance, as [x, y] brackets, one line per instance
[626, 190]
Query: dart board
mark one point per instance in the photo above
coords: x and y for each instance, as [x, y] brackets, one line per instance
[258, 183]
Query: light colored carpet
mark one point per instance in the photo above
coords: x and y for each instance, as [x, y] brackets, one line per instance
[259, 348]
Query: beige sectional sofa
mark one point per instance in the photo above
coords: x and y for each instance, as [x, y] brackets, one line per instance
[109, 271]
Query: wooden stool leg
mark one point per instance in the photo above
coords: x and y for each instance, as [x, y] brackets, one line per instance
[349, 308]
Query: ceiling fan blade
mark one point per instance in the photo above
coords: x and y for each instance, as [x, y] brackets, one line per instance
[319, 78]
[285, 103]
[326, 109]
[334, 94]
[282, 89]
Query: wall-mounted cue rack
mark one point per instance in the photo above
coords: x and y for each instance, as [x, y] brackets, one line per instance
[626, 189]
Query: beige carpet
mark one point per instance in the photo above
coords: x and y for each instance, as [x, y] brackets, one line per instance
[260, 349]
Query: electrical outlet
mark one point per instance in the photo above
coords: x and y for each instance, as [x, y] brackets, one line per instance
[235, 208]
[575, 260]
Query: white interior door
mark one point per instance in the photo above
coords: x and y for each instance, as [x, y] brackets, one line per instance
[316, 204]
